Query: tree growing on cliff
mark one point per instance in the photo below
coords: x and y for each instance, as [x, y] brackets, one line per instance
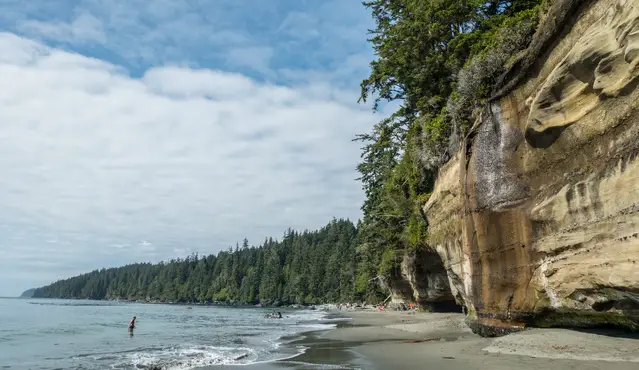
[439, 59]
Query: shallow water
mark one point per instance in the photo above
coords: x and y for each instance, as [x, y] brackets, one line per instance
[69, 334]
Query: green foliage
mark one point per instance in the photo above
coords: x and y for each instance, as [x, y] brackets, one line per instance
[308, 267]
[411, 40]
[440, 59]
[388, 262]
[415, 232]
[222, 295]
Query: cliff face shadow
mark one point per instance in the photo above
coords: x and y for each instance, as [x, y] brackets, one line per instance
[421, 278]
[445, 307]
[544, 139]
[432, 284]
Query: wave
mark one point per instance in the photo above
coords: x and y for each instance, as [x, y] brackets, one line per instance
[249, 339]
[189, 357]
[335, 319]
[76, 304]
[318, 320]
[318, 326]
[308, 365]
[184, 357]
[174, 358]
[282, 348]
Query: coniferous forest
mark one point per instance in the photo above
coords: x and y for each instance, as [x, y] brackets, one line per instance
[440, 61]
[303, 268]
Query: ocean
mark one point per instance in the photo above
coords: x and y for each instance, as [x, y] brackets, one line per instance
[80, 334]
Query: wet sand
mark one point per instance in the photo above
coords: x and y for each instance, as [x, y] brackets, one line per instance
[437, 341]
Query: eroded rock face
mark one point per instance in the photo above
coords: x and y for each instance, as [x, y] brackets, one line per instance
[401, 291]
[421, 279]
[536, 218]
[602, 64]
[425, 273]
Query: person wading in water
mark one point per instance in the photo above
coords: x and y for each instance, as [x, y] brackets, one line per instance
[132, 323]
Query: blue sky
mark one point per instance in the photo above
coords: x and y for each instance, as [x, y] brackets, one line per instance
[278, 40]
[144, 130]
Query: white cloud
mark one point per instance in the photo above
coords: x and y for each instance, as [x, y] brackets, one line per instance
[253, 37]
[257, 58]
[84, 29]
[185, 159]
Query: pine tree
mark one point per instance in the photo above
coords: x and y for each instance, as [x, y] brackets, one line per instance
[308, 267]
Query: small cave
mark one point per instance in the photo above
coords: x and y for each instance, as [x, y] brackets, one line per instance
[544, 139]
[604, 306]
[425, 272]
[444, 307]
[621, 304]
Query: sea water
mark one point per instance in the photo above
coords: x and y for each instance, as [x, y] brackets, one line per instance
[82, 334]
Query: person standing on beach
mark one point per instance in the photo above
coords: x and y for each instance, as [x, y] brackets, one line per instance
[132, 323]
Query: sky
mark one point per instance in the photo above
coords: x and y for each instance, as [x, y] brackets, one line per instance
[144, 130]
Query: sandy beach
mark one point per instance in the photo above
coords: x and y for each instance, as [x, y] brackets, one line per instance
[440, 341]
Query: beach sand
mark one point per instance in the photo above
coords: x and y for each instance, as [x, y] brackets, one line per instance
[439, 341]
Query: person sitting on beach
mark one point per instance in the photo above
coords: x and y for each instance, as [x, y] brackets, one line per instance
[132, 323]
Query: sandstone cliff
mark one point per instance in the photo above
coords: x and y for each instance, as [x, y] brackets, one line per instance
[536, 218]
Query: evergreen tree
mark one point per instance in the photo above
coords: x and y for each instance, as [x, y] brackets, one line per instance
[439, 59]
[302, 268]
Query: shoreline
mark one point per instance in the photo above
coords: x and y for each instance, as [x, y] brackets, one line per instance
[441, 341]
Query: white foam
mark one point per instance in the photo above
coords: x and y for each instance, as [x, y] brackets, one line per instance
[336, 319]
[308, 365]
[314, 327]
[188, 357]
